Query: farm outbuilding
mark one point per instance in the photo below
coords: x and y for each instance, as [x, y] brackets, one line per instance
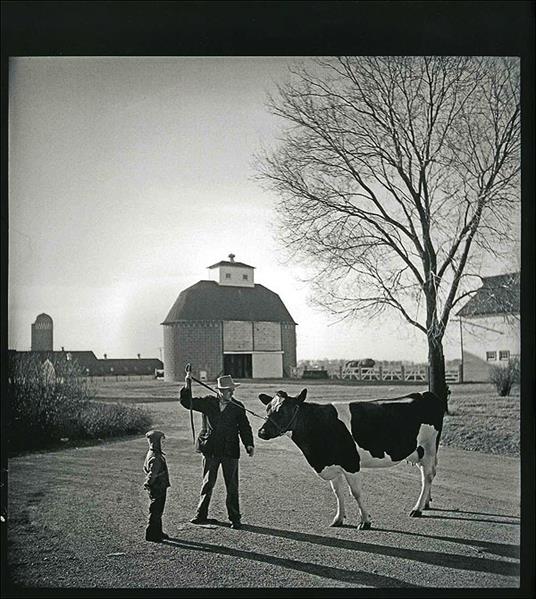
[229, 325]
[491, 331]
[90, 365]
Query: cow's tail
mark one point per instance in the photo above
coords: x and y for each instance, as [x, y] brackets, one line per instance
[438, 438]
[443, 400]
[437, 408]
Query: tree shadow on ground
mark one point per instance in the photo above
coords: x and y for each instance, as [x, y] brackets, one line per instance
[429, 514]
[502, 549]
[355, 577]
[447, 560]
[456, 511]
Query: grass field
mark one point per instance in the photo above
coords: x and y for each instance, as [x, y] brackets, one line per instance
[479, 419]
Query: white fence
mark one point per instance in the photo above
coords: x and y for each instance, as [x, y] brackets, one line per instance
[417, 373]
[119, 377]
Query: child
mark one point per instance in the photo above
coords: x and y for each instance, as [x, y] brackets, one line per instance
[156, 483]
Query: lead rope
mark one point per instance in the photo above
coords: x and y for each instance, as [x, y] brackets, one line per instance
[189, 386]
[233, 401]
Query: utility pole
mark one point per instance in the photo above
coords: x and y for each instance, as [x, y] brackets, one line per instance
[461, 347]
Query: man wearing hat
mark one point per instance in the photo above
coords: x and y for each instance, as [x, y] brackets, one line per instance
[156, 483]
[224, 420]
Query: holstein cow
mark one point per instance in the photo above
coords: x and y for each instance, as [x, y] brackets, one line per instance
[339, 439]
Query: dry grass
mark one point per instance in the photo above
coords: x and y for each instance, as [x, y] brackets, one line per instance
[479, 419]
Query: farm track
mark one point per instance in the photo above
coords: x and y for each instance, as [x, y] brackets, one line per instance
[77, 516]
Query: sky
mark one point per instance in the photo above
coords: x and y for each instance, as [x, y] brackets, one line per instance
[128, 177]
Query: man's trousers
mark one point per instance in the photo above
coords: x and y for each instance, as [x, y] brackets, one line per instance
[230, 476]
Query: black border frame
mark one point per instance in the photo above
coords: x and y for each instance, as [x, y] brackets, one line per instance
[293, 28]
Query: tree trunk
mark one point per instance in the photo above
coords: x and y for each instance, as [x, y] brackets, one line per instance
[436, 366]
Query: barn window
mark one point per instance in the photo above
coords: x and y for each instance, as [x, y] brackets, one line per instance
[504, 354]
[245, 277]
[227, 275]
[491, 356]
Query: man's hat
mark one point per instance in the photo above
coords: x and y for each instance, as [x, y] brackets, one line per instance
[226, 382]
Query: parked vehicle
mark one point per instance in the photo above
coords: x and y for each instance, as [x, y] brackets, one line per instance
[364, 363]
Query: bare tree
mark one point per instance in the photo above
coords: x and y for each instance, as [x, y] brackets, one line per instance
[396, 174]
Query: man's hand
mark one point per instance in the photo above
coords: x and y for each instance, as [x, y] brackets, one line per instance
[250, 450]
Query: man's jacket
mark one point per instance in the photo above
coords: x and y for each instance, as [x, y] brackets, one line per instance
[156, 470]
[220, 437]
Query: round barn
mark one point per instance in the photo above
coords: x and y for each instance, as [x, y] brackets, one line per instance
[229, 325]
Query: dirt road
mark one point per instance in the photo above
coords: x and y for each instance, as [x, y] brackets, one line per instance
[77, 518]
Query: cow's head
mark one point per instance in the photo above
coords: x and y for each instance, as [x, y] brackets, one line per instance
[282, 411]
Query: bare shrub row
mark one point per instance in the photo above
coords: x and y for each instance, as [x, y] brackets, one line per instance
[50, 401]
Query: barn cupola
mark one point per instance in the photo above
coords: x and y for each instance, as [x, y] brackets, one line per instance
[232, 273]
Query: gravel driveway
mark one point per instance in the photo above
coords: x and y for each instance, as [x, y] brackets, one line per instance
[77, 519]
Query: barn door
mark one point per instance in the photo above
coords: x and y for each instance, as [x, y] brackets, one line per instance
[239, 366]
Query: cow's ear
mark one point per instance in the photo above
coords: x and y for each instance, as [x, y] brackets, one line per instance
[266, 399]
[302, 395]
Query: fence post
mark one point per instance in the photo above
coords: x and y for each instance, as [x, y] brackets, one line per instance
[380, 368]
[403, 372]
[460, 373]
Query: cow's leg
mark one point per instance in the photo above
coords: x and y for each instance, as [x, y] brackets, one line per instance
[354, 482]
[427, 466]
[428, 501]
[337, 486]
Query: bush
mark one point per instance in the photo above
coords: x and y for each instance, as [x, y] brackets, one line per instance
[504, 377]
[107, 420]
[51, 401]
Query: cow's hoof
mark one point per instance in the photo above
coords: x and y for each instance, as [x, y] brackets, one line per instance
[415, 514]
[336, 522]
[364, 526]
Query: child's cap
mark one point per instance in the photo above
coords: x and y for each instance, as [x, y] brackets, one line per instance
[155, 436]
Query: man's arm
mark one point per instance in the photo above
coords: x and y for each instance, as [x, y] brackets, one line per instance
[199, 404]
[246, 434]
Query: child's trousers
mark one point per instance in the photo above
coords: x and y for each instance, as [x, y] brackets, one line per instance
[156, 509]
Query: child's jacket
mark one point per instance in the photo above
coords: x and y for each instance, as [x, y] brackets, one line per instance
[155, 467]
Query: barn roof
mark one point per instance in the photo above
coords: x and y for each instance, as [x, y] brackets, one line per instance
[84, 358]
[498, 295]
[206, 300]
[43, 318]
[229, 263]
